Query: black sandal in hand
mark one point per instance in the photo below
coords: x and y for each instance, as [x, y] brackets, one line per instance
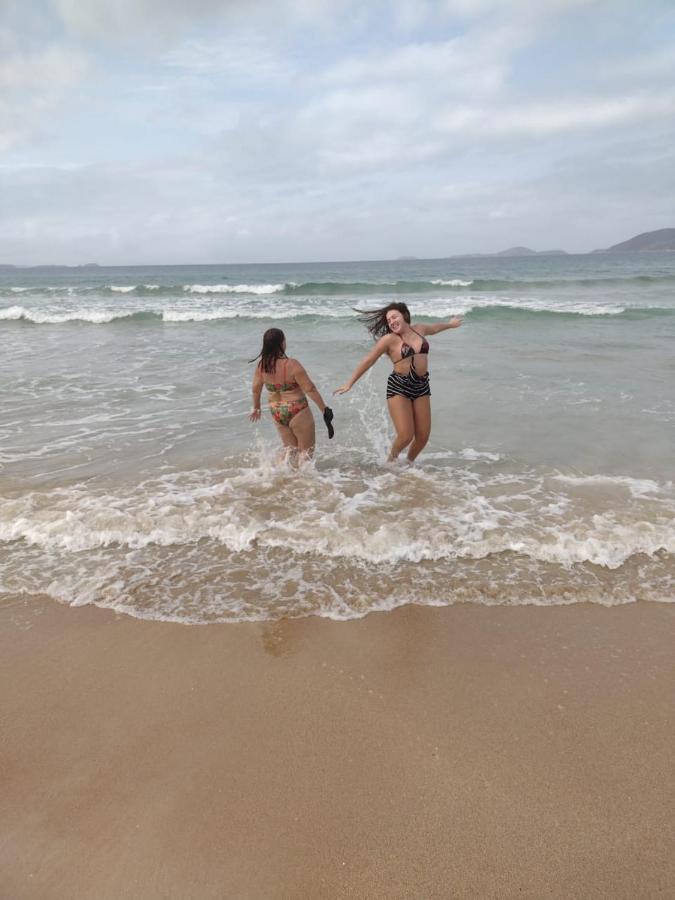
[328, 418]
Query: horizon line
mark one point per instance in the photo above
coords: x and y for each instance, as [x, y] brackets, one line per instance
[306, 262]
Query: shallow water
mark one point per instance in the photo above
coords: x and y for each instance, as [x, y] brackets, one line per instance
[131, 477]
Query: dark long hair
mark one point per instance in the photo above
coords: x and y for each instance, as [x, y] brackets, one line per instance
[375, 320]
[272, 349]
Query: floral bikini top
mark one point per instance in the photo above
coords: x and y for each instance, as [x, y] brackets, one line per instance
[279, 386]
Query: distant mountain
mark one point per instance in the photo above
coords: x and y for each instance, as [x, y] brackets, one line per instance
[662, 240]
[525, 251]
[513, 251]
[516, 251]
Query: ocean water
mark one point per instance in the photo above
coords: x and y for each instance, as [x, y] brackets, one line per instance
[131, 477]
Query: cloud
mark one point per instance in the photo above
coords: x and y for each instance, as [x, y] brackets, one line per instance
[115, 19]
[556, 117]
[644, 67]
[475, 64]
[247, 59]
[222, 130]
[132, 21]
[32, 85]
[193, 209]
[513, 7]
[380, 109]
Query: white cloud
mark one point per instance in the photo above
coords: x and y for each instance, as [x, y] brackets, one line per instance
[247, 59]
[32, 84]
[476, 63]
[155, 20]
[650, 66]
[556, 117]
[115, 19]
[535, 8]
[318, 129]
[380, 150]
[381, 109]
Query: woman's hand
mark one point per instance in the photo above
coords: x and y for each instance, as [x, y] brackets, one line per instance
[342, 389]
[255, 415]
[455, 321]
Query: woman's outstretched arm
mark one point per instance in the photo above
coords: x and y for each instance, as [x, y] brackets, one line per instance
[370, 359]
[454, 322]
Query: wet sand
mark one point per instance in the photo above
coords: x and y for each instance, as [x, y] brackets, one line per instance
[458, 752]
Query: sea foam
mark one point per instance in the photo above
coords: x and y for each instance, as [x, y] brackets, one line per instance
[233, 288]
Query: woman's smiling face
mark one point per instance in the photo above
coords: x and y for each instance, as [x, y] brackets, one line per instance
[395, 320]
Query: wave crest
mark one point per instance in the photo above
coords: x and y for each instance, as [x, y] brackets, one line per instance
[258, 289]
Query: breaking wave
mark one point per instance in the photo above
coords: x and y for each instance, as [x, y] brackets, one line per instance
[212, 546]
[459, 284]
[478, 308]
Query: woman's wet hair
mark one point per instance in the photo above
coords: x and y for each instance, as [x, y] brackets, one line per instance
[272, 349]
[375, 320]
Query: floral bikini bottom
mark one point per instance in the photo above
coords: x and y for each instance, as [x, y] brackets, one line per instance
[282, 413]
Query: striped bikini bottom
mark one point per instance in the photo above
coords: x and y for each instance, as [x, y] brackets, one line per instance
[411, 385]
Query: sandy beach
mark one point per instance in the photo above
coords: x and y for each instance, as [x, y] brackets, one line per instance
[458, 752]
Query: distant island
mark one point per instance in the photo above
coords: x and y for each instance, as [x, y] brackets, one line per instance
[661, 241]
[515, 251]
[525, 251]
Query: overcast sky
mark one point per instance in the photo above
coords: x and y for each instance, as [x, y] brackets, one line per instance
[168, 131]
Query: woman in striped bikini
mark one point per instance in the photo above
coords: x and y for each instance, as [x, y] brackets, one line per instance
[288, 387]
[408, 392]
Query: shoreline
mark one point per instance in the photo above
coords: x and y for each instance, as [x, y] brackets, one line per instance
[464, 751]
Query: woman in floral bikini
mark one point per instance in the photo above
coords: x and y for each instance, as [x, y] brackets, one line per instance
[289, 386]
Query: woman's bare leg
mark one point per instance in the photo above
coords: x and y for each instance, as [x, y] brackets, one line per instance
[422, 416]
[401, 412]
[289, 441]
[302, 427]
